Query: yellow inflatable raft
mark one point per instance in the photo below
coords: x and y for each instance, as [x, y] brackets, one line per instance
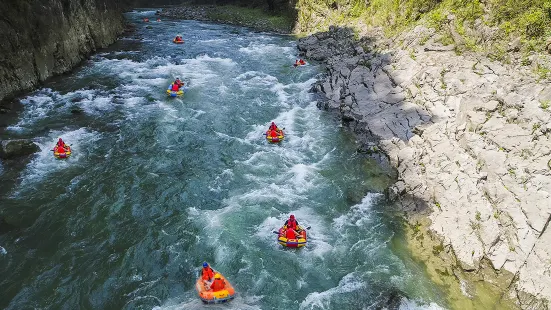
[274, 139]
[62, 153]
[292, 243]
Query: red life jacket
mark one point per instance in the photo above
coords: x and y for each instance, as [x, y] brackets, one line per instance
[290, 234]
[273, 133]
[175, 87]
[292, 224]
[217, 285]
[208, 274]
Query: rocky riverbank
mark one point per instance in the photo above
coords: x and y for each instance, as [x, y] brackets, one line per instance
[45, 39]
[233, 15]
[470, 140]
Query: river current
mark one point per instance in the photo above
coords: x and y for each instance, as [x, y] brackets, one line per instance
[157, 185]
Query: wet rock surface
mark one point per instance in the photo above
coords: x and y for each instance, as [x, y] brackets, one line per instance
[469, 138]
[17, 148]
[218, 14]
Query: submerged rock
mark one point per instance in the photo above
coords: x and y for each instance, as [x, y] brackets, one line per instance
[16, 148]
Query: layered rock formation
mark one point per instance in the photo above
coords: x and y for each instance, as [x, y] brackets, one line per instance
[469, 138]
[44, 38]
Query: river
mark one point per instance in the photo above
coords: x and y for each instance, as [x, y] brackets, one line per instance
[157, 185]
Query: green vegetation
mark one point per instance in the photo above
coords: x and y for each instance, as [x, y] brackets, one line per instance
[252, 17]
[438, 248]
[454, 20]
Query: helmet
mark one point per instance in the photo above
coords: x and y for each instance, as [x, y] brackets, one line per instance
[205, 265]
[217, 276]
[292, 216]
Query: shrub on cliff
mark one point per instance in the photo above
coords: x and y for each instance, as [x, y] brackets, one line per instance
[483, 25]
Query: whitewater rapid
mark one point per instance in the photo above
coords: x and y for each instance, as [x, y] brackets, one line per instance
[157, 185]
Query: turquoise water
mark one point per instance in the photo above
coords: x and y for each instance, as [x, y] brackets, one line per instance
[158, 185]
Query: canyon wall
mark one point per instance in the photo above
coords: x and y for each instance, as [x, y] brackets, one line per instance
[470, 139]
[41, 39]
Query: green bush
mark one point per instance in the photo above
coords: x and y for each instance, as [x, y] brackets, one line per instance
[533, 23]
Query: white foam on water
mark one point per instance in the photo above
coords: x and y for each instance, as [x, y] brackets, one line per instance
[140, 13]
[3, 251]
[44, 164]
[224, 136]
[194, 303]
[270, 193]
[116, 53]
[359, 214]
[407, 304]
[221, 181]
[322, 300]
[217, 41]
[255, 80]
[37, 106]
[263, 50]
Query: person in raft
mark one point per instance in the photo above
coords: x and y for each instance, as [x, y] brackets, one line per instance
[177, 85]
[146, 20]
[292, 223]
[218, 284]
[273, 126]
[60, 143]
[291, 233]
[299, 62]
[178, 39]
[60, 149]
[274, 133]
[207, 274]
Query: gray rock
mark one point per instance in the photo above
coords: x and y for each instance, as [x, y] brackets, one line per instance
[470, 143]
[16, 148]
[45, 40]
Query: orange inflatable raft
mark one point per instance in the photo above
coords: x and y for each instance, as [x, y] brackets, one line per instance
[210, 297]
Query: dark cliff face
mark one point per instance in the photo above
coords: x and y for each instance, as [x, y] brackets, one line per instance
[44, 38]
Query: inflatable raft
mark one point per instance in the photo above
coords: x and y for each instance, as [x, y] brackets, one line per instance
[172, 93]
[280, 136]
[62, 154]
[292, 243]
[210, 297]
[178, 42]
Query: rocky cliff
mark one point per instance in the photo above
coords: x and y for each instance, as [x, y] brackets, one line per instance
[44, 38]
[470, 140]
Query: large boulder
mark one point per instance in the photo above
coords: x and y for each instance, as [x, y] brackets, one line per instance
[16, 148]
